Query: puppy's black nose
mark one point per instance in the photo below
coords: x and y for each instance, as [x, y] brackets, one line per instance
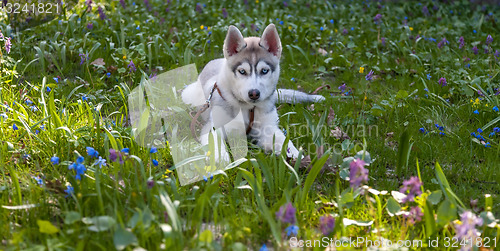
[254, 94]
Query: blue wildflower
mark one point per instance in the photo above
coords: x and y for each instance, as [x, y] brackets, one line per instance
[495, 108]
[428, 76]
[125, 150]
[153, 150]
[263, 248]
[473, 134]
[487, 144]
[108, 74]
[422, 130]
[492, 134]
[56, 79]
[476, 112]
[292, 230]
[69, 191]
[442, 133]
[155, 162]
[47, 89]
[332, 21]
[479, 130]
[39, 180]
[84, 97]
[54, 160]
[80, 159]
[14, 127]
[100, 162]
[92, 152]
[496, 129]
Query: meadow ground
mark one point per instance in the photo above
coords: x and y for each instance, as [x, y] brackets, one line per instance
[414, 84]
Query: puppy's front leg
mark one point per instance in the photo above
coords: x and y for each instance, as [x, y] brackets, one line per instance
[266, 141]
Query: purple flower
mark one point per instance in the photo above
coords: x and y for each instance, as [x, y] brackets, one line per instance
[344, 32]
[90, 26]
[358, 174]
[150, 184]
[425, 11]
[113, 155]
[382, 40]
[377, 18]
[199, 8]
[489, 40]
[413, 187]
[224, 12]
[83, 58]
[89, 5]
[102, 15]
[467, 227]
[326, 224]
[442, 81]
[442, 43]
[285, 4]
[286, 213]
[8, 45]
[415, 215]
[369, 76]
[131, 66]
[461, 40]
[146, 2]
[342, 87]
[122, 2]
[475, 50]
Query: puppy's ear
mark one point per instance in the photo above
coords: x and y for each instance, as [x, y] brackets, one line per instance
[270, 40]
[234, 42]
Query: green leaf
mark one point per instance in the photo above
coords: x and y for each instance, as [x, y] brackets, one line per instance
[99, 223]
[46, 227]
[403, 151]
[206, 236]
[393, 207]
[72, 217]
[435, 197]
[123, 238]
[402, 94]
[443, 183]
[447, 212]
[430, 222]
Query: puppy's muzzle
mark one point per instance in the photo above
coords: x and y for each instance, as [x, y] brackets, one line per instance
[254, 94]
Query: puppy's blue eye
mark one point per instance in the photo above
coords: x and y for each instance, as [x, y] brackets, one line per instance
[264, 71]
[242, 72]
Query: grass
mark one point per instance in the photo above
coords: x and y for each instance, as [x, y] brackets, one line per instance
[410, 123]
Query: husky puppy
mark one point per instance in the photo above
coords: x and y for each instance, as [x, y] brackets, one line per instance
[246, 80]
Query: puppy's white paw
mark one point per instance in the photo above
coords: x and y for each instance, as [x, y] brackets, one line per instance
[292, 152]
[318, 98]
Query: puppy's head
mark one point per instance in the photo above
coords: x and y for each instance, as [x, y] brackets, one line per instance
[253, 64]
